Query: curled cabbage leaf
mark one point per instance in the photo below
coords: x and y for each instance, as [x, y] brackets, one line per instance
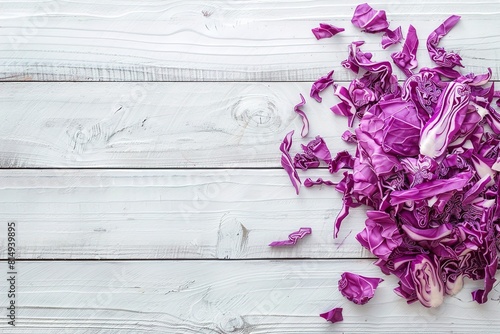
[287, 162]
[303, 116]
[369, 19]
[358, 289]
[292, 237]
[320, 85]
[438, 54]
[334, 315]
[326, 30]
[391, 37]
[406, 59]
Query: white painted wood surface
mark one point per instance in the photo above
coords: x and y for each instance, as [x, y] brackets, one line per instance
[173, 182]
[214, 40]
[169, 214]
[225, 297]
[145, 125]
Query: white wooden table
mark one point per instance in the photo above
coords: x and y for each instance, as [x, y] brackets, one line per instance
[139, 154]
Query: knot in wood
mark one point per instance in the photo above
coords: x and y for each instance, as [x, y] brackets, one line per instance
[256, 111]
[230, 322]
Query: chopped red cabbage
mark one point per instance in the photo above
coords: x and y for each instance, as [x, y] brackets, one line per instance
[305, 161]
[317, 148]
[429, 286]
[302, 114]
[358, 289]
[326, 30]
[346, 107]
[380, 235]
[287, 162]
[376, 83]
[320, 85]
[438, 54]
[406, 59]
[426, 163]
[429, 234]
[449, 114]
[349, 137]
[334, 315]
[292, 237]
[369, 19]
[345, 186]
[342, 160]
[391, 37]
[313, 153]
[309, 182]
[429, 190]
[373, 21]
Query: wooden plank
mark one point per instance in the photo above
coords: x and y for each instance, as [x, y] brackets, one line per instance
[224, 297]
[152, 214]
[250, 40]
[157, 124]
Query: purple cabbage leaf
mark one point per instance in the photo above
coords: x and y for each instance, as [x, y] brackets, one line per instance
[310, 183]
[292, 237]
[391, 37]
[369, 19]
[320, 85]
[302, 114]
[326, 30]
[406, 59]
[334, 315]
[438, 54]
[424, 160]
[358, 289]
[287, 162]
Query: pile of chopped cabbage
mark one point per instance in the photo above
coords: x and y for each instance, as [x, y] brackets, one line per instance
[426, 163]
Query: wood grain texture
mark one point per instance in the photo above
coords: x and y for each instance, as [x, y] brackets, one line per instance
[173, 170]
[251, 40]
[157, 125]
[225, 297]
[151, 214]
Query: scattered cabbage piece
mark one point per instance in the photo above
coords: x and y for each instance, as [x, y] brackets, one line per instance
[380, 235]
[346, 107]
[287, 162]
[309, 182]
[444, 124]
[406, 59]
[326, 30]
[391, 37]
[341, 160]
[438, 54]
[429, 190]
[305, 161]
[427, 279]
[428, 234]
[302, 114]
[376, 83]
[320, 85]
[358, 289]
[349, 137]
[292, 237]
[374, 21]
[394, 125]
[345, 186]
[334, 315]
[318, 148]
[313, 153]
[481, 295]
[369, 19]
